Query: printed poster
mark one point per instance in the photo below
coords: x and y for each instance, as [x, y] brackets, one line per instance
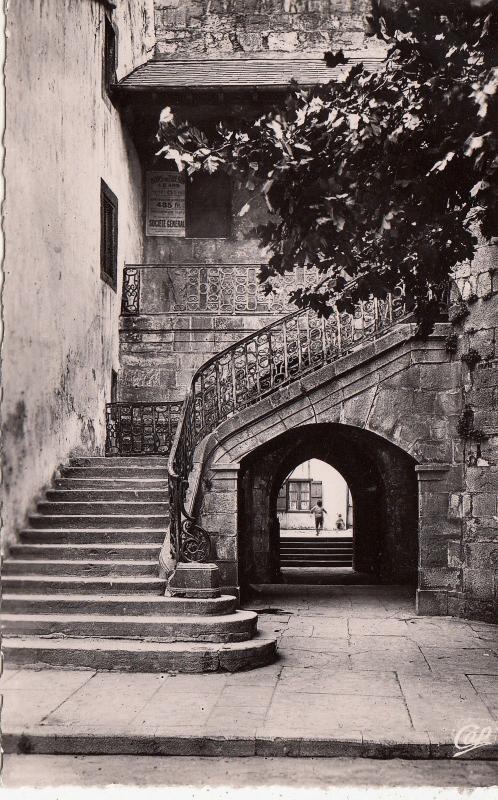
[165, 204]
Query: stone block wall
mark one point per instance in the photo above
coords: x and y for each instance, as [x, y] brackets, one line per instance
[217, 28]
[476, 508]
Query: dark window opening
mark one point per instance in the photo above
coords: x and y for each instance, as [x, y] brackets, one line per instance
[208, 206]
[109, 61]
[108, 235]
[114, 386]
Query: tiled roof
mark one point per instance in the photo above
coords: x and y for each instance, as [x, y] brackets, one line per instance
[236, 73]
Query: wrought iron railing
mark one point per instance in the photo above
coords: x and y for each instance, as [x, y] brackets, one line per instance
[248, 371]
[140, 429]
[223, 289]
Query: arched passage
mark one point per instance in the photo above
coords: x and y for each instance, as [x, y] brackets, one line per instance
[315, 515]
[383, 485]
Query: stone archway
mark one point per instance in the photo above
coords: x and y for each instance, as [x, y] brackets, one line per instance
[383, 485]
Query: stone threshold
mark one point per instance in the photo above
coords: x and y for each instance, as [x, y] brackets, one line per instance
[423, 745]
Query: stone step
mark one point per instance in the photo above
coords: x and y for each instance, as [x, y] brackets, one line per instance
[66, 567]
[114, 472]
[237, 627]
[315, 553]
[125, 605]
[104, 507]
[91, 495]
[287, 541]
[317, 560]
[82, 584]
[86, 552]
[111, 483]
[135, 656]
[119, 461]
[316, 563]
[110, 535]
[301, 550]
[99, 521]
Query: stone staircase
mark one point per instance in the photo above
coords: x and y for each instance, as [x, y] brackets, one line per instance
[316, 551]
[82, 589]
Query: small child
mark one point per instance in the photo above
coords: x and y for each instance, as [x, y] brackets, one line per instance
[318, 511]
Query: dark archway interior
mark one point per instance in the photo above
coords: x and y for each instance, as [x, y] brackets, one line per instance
[383, 486]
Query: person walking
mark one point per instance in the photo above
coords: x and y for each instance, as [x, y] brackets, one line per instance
[318, 511]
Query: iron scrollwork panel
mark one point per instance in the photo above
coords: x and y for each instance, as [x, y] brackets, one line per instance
[130, 299]
[141, 428]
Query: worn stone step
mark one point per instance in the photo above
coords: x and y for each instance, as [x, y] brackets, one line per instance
[135, 656]
[315, 553]
[317, 562]
[315, 540]
[311, 558]
[111, 535]
[86, 552]
[111, 483]
[236, 627]
[104, 507]
[119, 461]
[90, 495]
[309, 563]
[114, 472]
[99, 521]
[316, 550]
[126, 605]
[66, 567]
[82, 584]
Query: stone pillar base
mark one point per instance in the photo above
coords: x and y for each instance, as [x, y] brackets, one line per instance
[194, 580]
[432, 602]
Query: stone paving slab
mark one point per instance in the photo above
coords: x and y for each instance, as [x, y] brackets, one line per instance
[362, 684]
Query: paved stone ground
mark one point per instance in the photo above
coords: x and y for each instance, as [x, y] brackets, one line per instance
[358, 671]
[209, 773]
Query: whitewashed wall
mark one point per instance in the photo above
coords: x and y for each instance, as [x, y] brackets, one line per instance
[60, 318]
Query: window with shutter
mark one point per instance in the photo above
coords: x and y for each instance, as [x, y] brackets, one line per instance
[282, 498]
[316, 492]
[299, 495]
[109, 57]
[108, 235]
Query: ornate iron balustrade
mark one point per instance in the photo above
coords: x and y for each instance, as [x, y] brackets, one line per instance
[140, 429]
[248, 371]
[130, 297]
[207, 289]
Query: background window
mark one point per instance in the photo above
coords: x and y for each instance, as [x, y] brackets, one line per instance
[299, 495]
[108, 235]
[208, 206]
[114, 386]
[109, 56]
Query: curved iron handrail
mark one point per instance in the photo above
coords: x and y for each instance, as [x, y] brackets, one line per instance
[249, 370]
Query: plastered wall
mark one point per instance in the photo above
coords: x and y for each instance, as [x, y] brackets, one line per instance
[60, 318]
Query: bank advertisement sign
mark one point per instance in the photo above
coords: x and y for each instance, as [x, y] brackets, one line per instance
[165, 204]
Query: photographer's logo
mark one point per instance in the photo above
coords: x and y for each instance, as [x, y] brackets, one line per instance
[472, 737]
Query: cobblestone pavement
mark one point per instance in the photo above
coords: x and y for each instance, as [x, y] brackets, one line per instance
[356, 665]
